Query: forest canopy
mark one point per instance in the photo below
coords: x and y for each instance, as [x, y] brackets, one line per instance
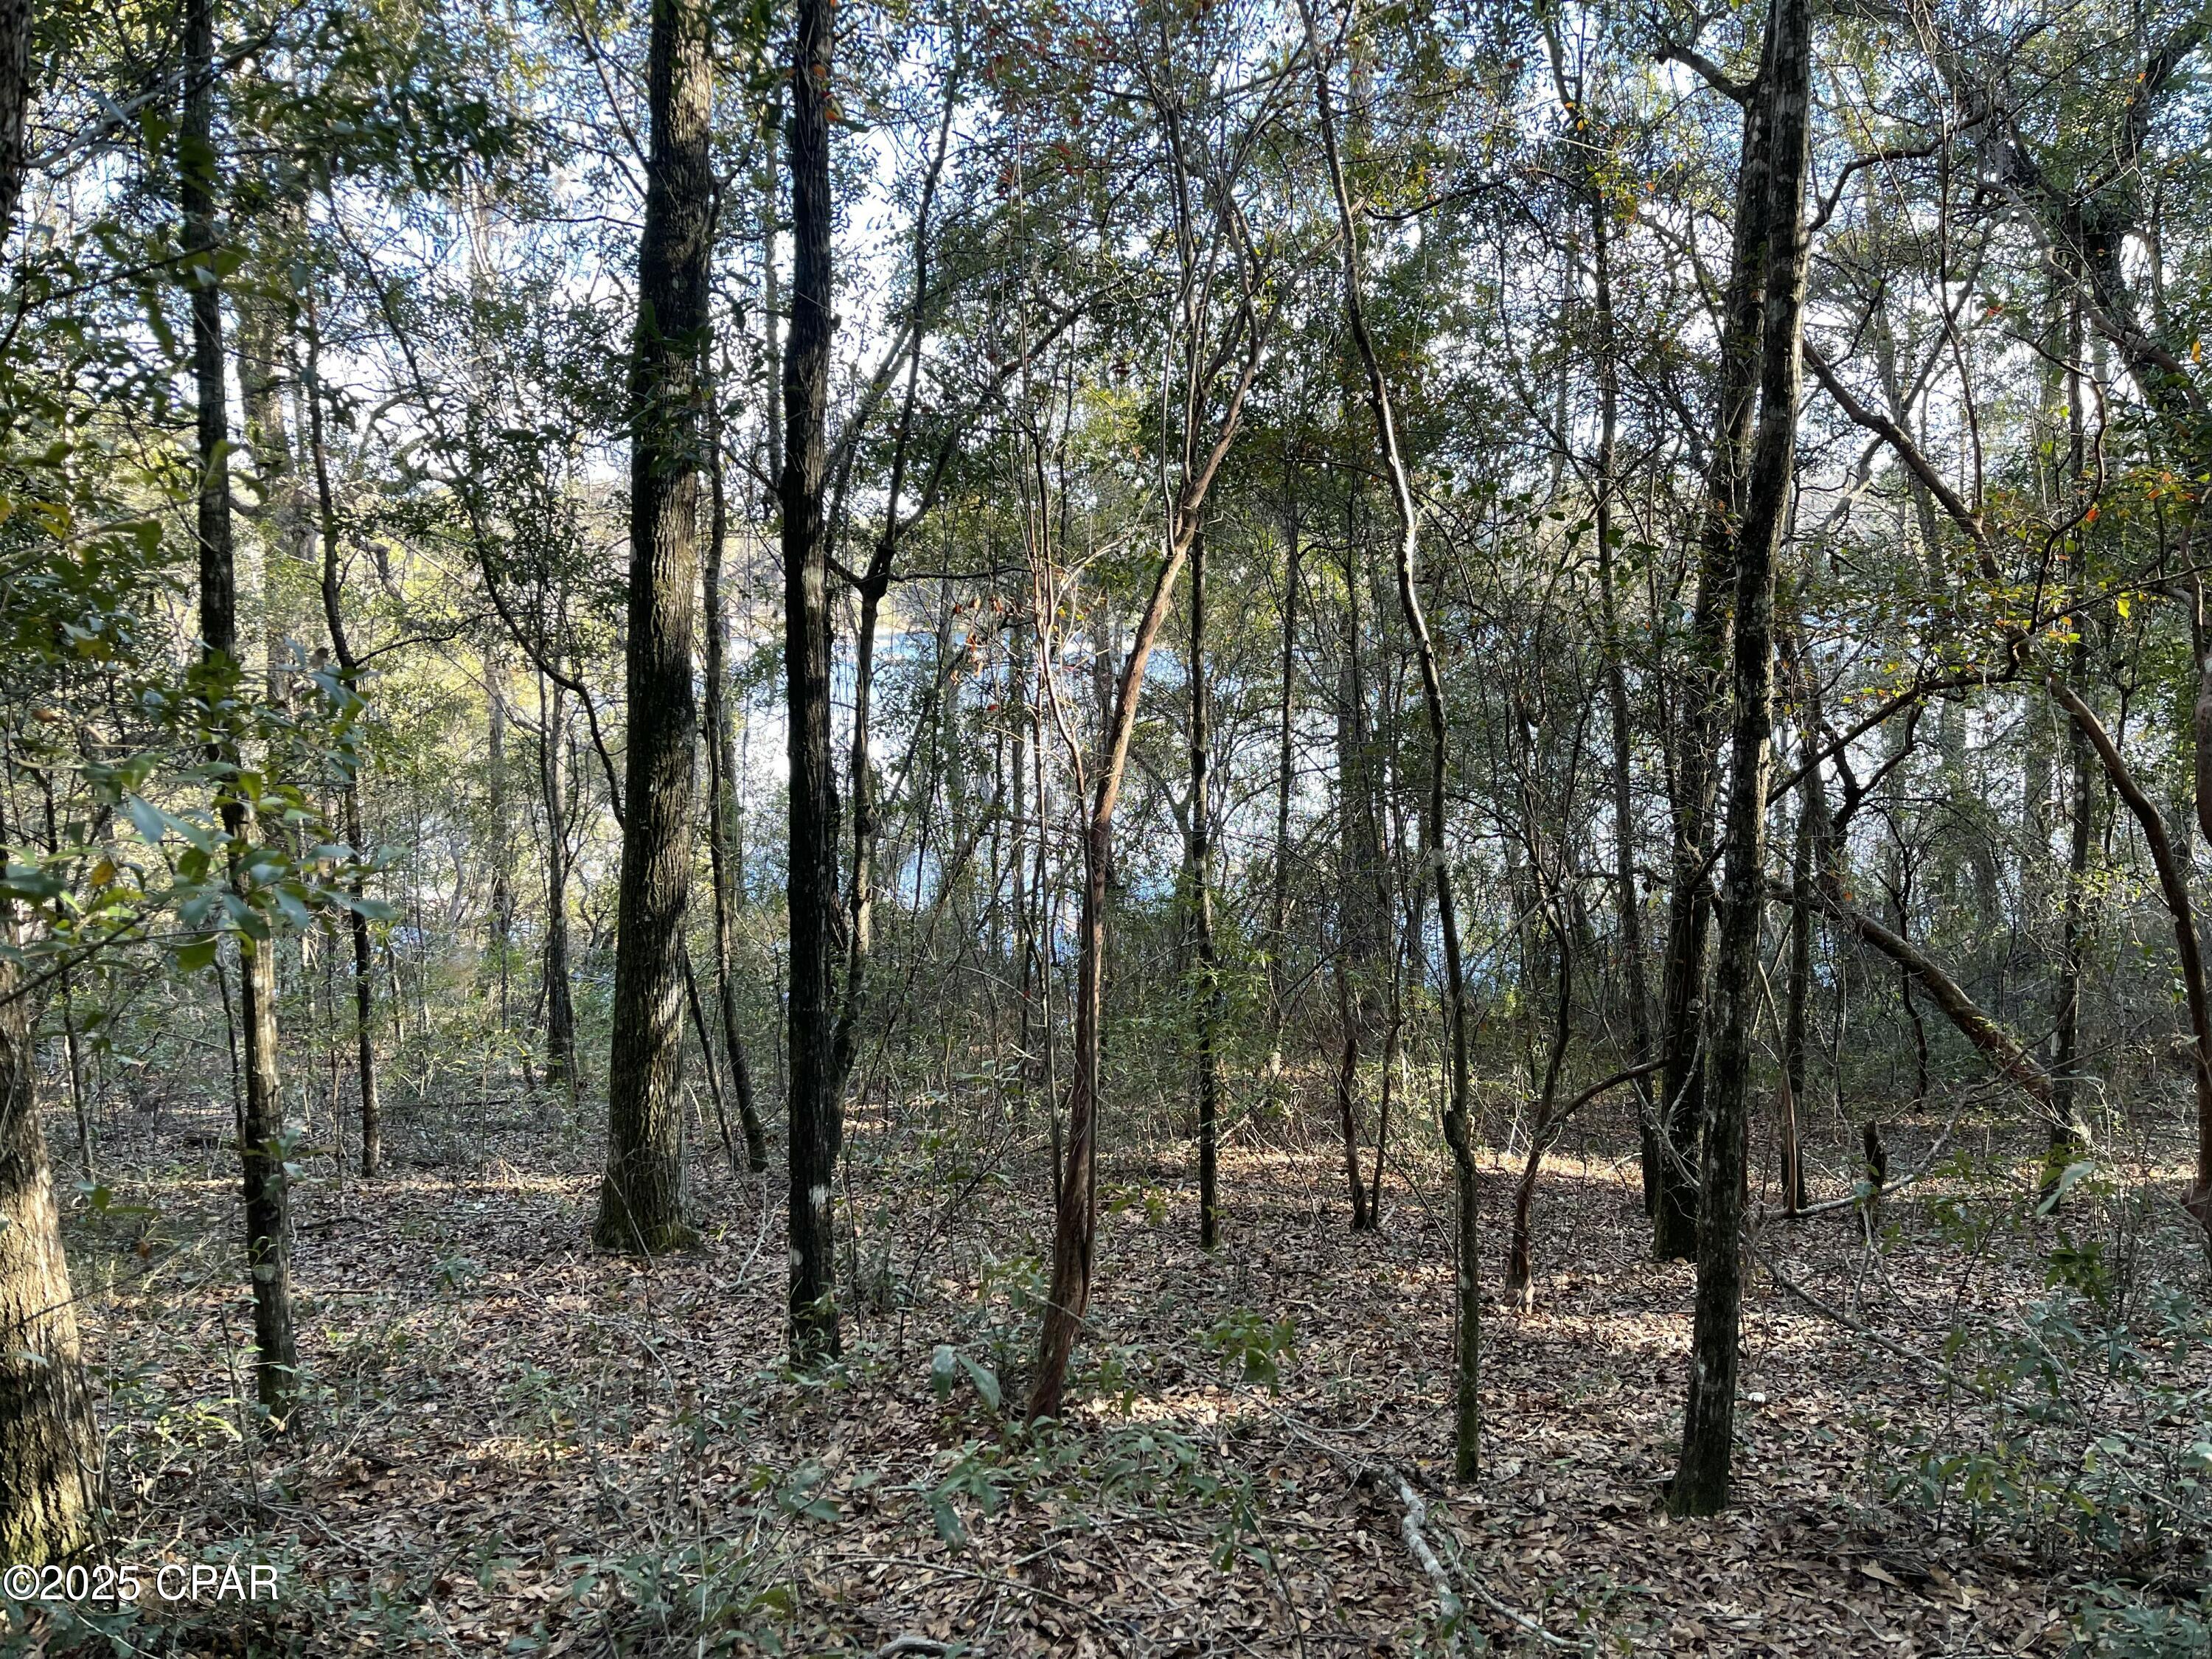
[1104, 826]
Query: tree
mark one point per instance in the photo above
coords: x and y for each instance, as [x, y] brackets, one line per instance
[261, 1149]
[49, 1445]
[721, 814]
[1683, 1080]
[641, 1200]
[1218, 363]
[1701, 1482]
[364, 959]
[1458, 1123]
[815, 1104]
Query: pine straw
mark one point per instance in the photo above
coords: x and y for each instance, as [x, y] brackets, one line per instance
[504, 1413]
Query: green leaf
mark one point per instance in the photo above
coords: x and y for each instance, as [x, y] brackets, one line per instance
[985, 1379]
[2066, 1177]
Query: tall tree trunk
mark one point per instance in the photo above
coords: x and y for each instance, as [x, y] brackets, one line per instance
[1616, 686]
[641, 1200]
[1201, 896]
[261, 1151]
[1799, 995]
[1544, 1124]
[2066, 1047]
[49, 1448]
[1812, 855]
[562, 1070]
[364, 965]
[15, 17]
[1701, 1483]
[49, 1445]
[1068, 1298]
[2066, 1136]
[1075, 1222]
[1682, 1080]
[817, 1108]
[1279, 943]
[1360, 875]
[503, 888]
[1347, 1084]
[722, 803]
[1458, 1125]
[2173, 887]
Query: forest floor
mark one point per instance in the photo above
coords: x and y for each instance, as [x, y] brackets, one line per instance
[516, 1445]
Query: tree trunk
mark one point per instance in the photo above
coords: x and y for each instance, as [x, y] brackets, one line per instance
[1208, 1078]
[2173, 887]
[816, 1110]
[722, 805]
[502, 889]
[364, 967]
[1701, 1483]
[562, 1070]
[1543, 1130]
[15, 105]
[1347, 1084]
[49, 1448]
[1616, 685]
[261, 1150]
[1799, 995]
[1458, 1127]
[1361, 903]
[1278, 913]
[1996, 1045]
[2066, 1136]
[1682, 1081]
[642, 1198]
[1075, 1218]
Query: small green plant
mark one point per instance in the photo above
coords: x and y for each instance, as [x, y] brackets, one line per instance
[946, 1365]
[1259, 1345]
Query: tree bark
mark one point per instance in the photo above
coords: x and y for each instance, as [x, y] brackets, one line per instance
[2002, 1051]
[722, 805]
[816, 1107]
[1616, 685]
[2066, 1137]
[1682, 1081]
[15, 21]
[364, 966]
[1347, 1084]
[49, 1444]
[2173, 887]
[1076, 1211]
[1075, 1218]
[562, 1070]
[642, 1198]
[49, 1447]
[1278, 942]
[261, 1150]
[1208, 1078]
[503, 888]
[1362, 903]
[1701, 1483]
[1458, 1125]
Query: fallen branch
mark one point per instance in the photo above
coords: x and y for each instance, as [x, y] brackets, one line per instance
[1410, 1522]
[1998, 1046]
[1409, 1529]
